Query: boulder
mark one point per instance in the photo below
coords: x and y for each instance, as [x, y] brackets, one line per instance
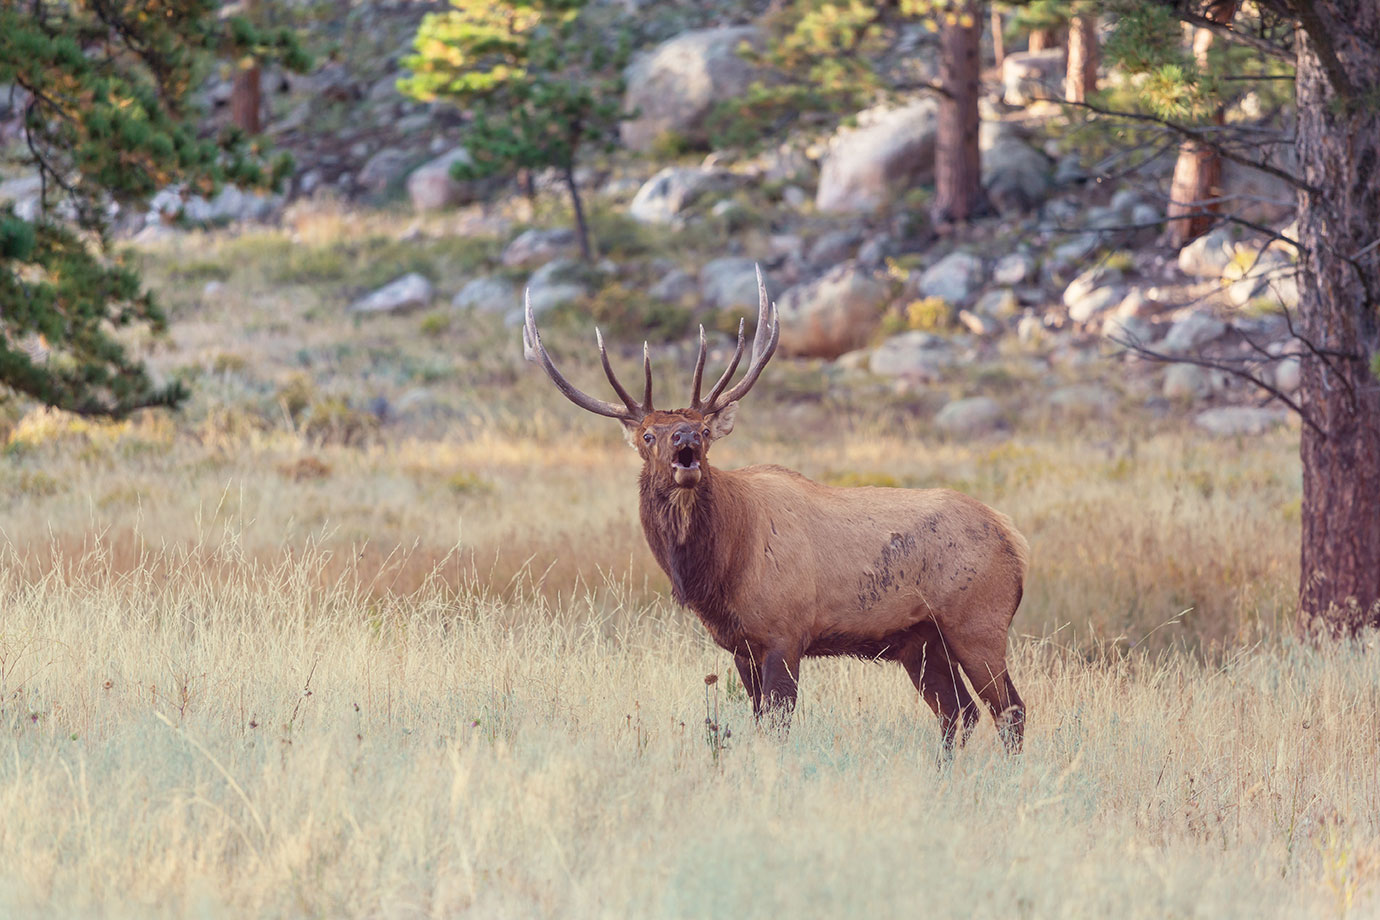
[432, 188]
[664, 196]
[974, 415]
[1209, 255]
[1030, 75]
[1191, 332]
[832, 314]
[383, 169]
[1127, 330]
[954, 278]
[674, 287]
[1017, 177]
[834, 247]
[488, 295]
[1095, 291]
[999, 303]
[869, 166]
[1014, 268]
[730, 283]
[1288, 375]
[914, 355]
[410, 292]
[674, 86]
[556, 283]
[539, 246]
[1240, 420]
[1187, 382]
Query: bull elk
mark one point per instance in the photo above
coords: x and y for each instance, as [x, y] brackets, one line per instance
[780, 568]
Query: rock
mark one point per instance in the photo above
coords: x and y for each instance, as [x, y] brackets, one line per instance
[556, 283]
[788, 163]
[1030, 75]
[1146, 218]
[431, 187]
[795, 197]
[873, 253]
[1072, 254]
[231, 205]
[1288, 375]
[538, 246]
[978, 323]
[410, 292]
[1014, 268]
[999, 303]
[1083, 399]
[1016, 175]
[833, 314]
[1030, 330]
[1124, 201]
[668, 193]
[674, 287]
[1259, 274]
[1187, 382]
[383, 169]
[1092, 292]
[914, 355]
[1208, 255]
[869, 166]
[953, 278]
[1069, 169]
[1240, 420]
[1138, 304]
[1191, 332]
[974, 415]
[674, 86]
[488, 295]
[730, 283]
[23, 192]
[833, 248]
[1127, 330]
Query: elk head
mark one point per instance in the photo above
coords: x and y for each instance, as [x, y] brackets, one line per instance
[673, 445]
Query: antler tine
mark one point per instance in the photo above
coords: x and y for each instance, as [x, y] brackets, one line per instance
[647, 369]
[699, 371]
[613, 378]
[712, 401]
[535, 351]
[764, 342]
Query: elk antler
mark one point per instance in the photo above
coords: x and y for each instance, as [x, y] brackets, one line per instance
[763, 346]
[632, 412]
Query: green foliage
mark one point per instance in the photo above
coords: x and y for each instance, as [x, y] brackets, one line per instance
[108, 123]
[541, 79]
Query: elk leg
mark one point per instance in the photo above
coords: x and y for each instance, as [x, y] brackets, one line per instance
[926, 659]
[986, 671]
[751, 674]
[780, 679]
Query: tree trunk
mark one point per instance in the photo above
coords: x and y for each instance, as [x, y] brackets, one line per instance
[958, 170]
[1080, 78]
[1198, 171]
[1040, 39]
[998, 39]
[1338, 144]
[246, 98]
[581, 227]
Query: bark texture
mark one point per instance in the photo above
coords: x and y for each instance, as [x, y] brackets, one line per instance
[246, 99]
[958, 169]
[1081, 76]
[1338, 139]
[1198, 171]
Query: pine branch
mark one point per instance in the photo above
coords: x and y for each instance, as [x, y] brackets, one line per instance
[1240, 38]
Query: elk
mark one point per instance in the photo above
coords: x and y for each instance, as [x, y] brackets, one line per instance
[779, 568]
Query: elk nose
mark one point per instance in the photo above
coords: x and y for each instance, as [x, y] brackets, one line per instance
[685, 437]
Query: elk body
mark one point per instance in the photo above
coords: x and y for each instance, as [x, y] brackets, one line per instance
[780, 568]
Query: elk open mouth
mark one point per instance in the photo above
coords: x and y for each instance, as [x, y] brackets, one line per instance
[685, 459]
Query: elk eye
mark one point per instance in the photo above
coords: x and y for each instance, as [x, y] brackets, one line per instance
[648, 437]
[705, 434]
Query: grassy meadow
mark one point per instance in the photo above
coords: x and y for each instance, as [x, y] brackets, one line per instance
[369, 630]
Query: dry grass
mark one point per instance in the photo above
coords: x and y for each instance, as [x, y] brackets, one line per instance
[273, 657]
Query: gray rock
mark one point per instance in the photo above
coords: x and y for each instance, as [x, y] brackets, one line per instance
[664, 196]
[1069, 169]
[232, 205]
[999, 302]
[1288, 375]
[834, 247]
[1030, 75]
[873, 253]
[410, 292]
[1129, 330]
[1030, 330]
[1262, 274]
[1138, 303]
[1072, 254]
[795, 197]
[556, 283]
[488, 295]
[1124, 201]
[383, 169]
[1147, 218]
[674, 286]
[1016, 175]
[913, 355]
[978, 323]
[833, 314]
[1014, 268]
[539, 246]
[954, 278]
[1096, 290]
[1187, 382]
[1191, 332]
[1208, 255]
[971, 416]
[23, 192]
[730, 283]
[1240, 420]
[866, 167]
[431, 187]
[674, 86]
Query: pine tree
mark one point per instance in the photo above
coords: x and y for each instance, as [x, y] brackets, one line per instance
[107, 121]
[542, 79]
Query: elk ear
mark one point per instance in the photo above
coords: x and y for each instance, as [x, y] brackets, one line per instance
[630, 432]
[720, 423]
